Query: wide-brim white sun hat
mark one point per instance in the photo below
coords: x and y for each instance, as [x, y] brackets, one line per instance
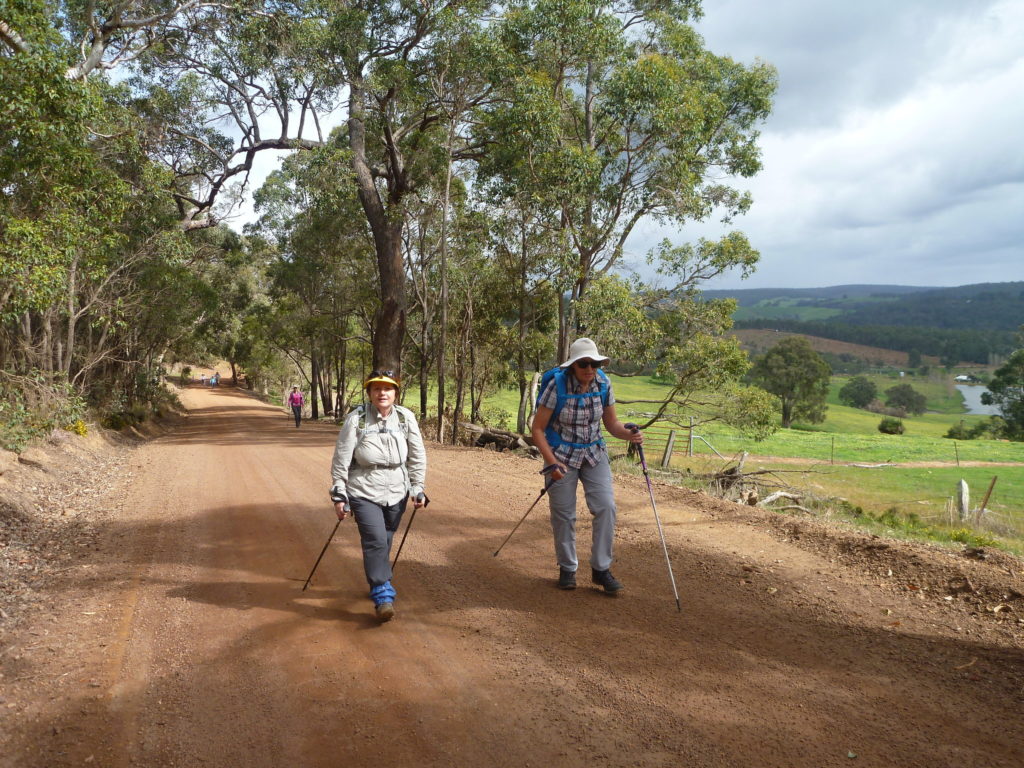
[583, 348]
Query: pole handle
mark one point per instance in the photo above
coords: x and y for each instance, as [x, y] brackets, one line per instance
[634, 428]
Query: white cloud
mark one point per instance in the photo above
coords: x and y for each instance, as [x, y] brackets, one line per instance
[893, 155]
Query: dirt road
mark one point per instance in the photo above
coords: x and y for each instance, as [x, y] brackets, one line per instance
[183, 637]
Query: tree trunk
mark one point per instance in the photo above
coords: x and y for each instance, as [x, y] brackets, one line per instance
[443, 335]
[314, 378]
[386, 226]
[521, 416]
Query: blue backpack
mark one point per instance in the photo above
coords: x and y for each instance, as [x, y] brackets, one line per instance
[560, 375]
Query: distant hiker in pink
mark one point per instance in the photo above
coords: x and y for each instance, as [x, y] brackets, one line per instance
[296, 401]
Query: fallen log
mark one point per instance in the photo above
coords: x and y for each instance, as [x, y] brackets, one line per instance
[779, 495]
[501, 439]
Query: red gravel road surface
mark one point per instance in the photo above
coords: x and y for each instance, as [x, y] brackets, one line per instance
[182, 637]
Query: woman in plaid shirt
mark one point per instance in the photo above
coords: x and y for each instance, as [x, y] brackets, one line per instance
[579, 455]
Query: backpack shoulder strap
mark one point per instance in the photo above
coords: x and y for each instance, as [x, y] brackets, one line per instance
[605, 385]
[561, 390]
[403, 418]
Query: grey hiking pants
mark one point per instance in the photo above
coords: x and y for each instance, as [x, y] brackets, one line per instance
[377, 525]
[597, 490]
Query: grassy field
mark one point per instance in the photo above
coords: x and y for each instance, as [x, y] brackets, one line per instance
[785, 309]
[906, 500]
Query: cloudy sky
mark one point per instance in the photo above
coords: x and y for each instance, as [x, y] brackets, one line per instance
[895, 153]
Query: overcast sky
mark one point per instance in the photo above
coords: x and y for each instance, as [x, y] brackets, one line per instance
[895, 153]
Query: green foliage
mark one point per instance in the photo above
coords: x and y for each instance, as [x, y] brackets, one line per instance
[31, 407]
[614, 308]
[906, 398]
[1006, 391]
[891, 426]
[909, 523]
[796, 374]
[858, 392]
[579, 84]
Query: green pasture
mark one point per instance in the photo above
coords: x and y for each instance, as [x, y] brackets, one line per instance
[900, 501]
[850, 436]
[785, 309]
[851, 447]
[912, 493]
[942, 395]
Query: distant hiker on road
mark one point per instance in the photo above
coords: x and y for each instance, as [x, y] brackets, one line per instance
[296, 401]
[575, 398]
[379, 462]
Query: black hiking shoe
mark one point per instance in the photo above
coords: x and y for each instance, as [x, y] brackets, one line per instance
[566, 579]
[605, 579]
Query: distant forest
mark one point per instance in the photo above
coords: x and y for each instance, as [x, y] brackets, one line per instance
[951, 346]
[981, 307]
[970, 323]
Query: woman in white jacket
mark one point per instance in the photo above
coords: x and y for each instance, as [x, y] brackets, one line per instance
[379, 462]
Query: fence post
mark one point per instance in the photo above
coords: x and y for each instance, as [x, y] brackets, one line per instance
[984, 502]
[832, 460]
[957, 451]
[689, 444]
[963, 497]
[666, 458]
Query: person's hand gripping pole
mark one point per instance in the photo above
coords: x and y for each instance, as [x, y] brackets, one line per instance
[643, 463]
[549, 472]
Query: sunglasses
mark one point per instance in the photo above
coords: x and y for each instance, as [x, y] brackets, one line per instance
[377, 374]
[589, 364]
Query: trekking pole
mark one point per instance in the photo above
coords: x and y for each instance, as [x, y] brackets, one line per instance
[321, 555]
[407, 527]
[643, 463]
[547, 484]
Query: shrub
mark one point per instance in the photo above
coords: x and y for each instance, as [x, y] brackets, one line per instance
[32, 406]
[891, 426]
[186, 374]
[79, 427]
[959, 432]
[858, 392]
[906, 397]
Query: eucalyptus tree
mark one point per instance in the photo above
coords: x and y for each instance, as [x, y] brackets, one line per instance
[798, 376]
[86, 237]
[684, 337]
[321, 270]
[525, 241]
[616, 112]
[390, 53]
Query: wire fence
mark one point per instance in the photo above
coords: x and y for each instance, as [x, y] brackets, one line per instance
[674, 448]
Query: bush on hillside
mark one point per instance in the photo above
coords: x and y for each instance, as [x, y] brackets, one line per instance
[891, 426]
[906, 397]
[858, 392]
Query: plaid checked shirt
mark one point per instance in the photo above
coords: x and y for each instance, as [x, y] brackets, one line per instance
[579, 421]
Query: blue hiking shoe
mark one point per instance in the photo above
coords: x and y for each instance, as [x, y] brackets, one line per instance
[383, 596]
